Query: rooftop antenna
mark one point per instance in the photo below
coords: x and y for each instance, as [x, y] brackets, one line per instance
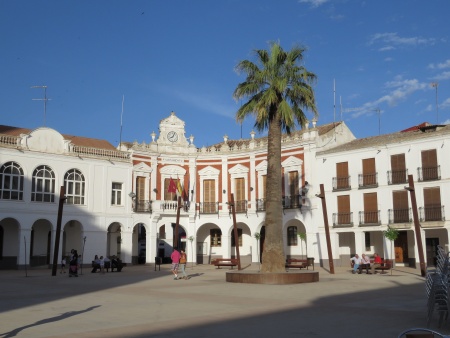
[334, 100]
[377, 110]
[121, 116]
[435, 85]
[45, 99]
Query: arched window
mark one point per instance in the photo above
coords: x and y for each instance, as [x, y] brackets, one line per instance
[292, 236]
[11, 181]
[74, 186]
[43, 184]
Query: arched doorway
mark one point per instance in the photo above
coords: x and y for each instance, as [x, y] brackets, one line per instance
[40, 243]
[114, 240]
[139, 244]
[9, 244]
[72, 238]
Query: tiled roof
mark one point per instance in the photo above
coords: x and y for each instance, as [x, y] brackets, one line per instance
[394, 138]
[76, 140]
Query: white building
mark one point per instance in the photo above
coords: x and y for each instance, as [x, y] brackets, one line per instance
[118, 201]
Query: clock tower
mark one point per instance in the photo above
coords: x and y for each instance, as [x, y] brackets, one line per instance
[172, 133]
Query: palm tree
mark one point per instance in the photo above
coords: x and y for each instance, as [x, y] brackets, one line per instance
[278, 89]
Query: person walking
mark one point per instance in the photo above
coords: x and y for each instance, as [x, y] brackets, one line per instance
[175, 256]
[63, 265]
[183, 261]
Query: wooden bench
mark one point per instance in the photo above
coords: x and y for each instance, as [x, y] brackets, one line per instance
[386, 264]
[296, 263]
[225, 262]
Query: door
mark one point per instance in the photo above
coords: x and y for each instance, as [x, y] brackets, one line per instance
[401, 248]
[431, 247]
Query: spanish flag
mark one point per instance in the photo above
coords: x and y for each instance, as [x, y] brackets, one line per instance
[179, 188]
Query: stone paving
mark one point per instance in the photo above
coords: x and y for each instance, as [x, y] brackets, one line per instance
[141, 302]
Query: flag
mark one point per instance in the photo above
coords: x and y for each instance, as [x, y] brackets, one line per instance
[172, 187]
[179, 188]
[186, 193]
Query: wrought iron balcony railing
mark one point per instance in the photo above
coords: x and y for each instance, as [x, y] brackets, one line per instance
[399, 216]
[261, 204]
[397, 176]
[369, 218]
[239, 206]
[343, 219]
[431, 213]
[142, 206]
[341, 183]
[209, 207]
[368, 180]
[292, 202]
[429, 174]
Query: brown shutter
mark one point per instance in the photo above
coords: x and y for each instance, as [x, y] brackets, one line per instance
[401, 206]
[429, 164]
[432, 203]
[209, 196]
[239, 189]
[342, 175]
[398, 168]
[293, 183]
[369, 171]
[343, 203]
[370, 208]
[140, 188]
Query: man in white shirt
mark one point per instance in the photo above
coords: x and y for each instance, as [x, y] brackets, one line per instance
[365, 264]
[356, 262]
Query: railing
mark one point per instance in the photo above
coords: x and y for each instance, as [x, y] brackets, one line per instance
[261, 204]
[369, 218]
[239, 206]
[399, 216]
[292, 202]
[432, 213]
[341, 183]
[343, 219]
[397, 176]
[110, 154]
[429, 174]
[168, 206]
[10, 140]
[209, 207]
[142, 206]
[368, 180]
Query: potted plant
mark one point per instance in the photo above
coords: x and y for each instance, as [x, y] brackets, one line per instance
[191, 239]
[302, 236]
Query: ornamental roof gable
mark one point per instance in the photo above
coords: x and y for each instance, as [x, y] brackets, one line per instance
[291, 161]
[209, 171]
[238, 169]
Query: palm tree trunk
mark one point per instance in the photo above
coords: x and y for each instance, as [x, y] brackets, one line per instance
[273, 258]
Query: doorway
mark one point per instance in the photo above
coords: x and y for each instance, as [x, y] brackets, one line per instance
[401, 248]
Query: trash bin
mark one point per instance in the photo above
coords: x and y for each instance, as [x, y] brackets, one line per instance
[310, 261]
[158, 261]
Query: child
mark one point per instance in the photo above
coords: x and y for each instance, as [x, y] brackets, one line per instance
[63, 265]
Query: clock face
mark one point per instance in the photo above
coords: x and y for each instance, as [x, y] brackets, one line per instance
[172, 136]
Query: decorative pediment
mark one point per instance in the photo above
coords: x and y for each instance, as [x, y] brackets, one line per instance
[238, 169]
[262, 166]
[292, 161]
[172, 121]
[209, 171]
[46, 140]
[172, 170]
[142, 167]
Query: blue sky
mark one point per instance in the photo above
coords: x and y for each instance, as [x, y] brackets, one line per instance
[180, 56]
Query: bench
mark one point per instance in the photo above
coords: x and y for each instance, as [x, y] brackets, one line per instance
[96, 266]
[296, 263]
[225, 262]
[386, 264]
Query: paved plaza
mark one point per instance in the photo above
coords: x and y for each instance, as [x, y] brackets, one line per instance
[141, 302]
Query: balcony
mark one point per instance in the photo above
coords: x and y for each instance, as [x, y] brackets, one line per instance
[341, 183]
[396, 216]
[432, 213]
[208, 208]
[261, 204]
[171, 206]
[397, 176]
[368, 180]
[429, 174]
[240, 207]
[292, 202]
[142, 206]
[342, 219]
[368, 218]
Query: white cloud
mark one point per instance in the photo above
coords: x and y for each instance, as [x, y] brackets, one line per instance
[441, 65]
[386, 48]
[445, 104]
[396, 40]
[442, 76]
[388, 59]
[314, 3]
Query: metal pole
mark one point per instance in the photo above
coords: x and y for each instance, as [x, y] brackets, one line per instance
[82, 254]
[236, 235]
[62, 198]
[327, 228]
[175, 239]
[410, 188]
